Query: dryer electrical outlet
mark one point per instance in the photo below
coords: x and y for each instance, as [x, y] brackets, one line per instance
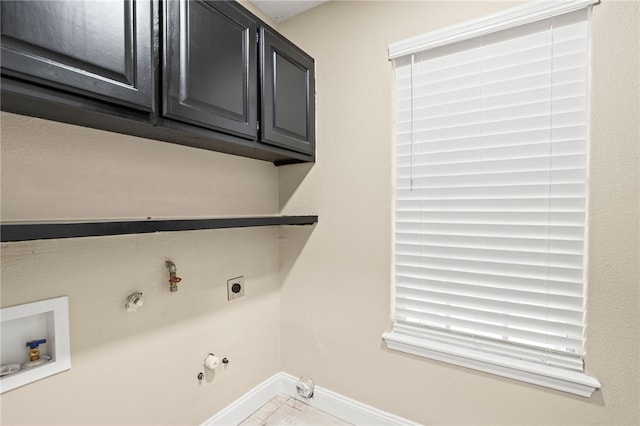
[235, 288]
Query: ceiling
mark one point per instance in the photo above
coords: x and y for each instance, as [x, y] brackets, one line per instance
[279, 10]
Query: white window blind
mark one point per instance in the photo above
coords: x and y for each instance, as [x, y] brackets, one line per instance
[490, 199]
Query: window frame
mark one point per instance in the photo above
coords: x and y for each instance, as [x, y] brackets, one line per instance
[503, 360]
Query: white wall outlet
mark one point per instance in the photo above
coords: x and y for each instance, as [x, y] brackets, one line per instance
[235, 288]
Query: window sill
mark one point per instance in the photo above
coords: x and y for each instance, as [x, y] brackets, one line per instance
[574, 382]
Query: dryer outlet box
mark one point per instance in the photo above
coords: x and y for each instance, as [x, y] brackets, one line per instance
[235, 288]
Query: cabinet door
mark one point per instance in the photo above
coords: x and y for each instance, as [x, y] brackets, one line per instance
[101, 49]
[210, 66]
[288, 94]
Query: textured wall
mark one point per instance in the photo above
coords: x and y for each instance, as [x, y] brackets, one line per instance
[336, 296]
[140, 368]
[54, 171]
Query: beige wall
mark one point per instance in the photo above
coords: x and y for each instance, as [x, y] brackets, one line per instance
[317, 299]
[140, 368]
[335, 298]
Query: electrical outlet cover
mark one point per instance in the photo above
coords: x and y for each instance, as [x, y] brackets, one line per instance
[235, 288]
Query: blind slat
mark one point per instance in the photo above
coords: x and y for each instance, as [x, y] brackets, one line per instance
[560, 321]
[506, 332]
[549, 296]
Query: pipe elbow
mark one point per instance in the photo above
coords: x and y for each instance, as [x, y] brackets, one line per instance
[170, 266]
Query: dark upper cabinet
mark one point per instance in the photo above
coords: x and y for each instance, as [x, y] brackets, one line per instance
[287, 87]
[210, 76]
[210, 66]
[100, 50]
[201, 73]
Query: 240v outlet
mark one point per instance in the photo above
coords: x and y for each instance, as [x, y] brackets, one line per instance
[235, 288]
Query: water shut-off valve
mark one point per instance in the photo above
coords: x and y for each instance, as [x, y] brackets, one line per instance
[173, 278]
[34, 353]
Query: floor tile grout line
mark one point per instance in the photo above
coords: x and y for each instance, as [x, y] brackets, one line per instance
[301, 413]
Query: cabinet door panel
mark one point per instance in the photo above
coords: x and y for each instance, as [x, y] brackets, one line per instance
[288, 94]
[210, 76]
[96, 48]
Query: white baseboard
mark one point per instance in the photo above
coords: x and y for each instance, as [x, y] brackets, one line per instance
[248, 403]
[328, 401]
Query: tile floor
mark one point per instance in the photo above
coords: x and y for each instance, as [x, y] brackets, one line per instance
[284, 410]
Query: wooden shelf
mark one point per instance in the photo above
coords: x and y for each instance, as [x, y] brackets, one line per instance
[52, 230]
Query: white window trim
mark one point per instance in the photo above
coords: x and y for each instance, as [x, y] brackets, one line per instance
[509, 18]
[454, 350]
[450, 351]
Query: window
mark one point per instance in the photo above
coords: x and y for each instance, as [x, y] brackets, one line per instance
[490, 194]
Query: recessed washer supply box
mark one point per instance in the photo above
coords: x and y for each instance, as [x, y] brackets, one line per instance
[46, 319]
